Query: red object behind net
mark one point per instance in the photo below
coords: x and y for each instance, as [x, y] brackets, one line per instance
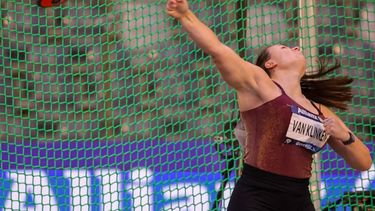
[50, 3]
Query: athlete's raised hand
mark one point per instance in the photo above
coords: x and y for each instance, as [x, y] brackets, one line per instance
[177, 8]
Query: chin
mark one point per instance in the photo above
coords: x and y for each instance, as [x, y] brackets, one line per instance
[303, 71]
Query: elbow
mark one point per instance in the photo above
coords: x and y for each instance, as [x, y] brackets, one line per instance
[365, 165]
[360, 160]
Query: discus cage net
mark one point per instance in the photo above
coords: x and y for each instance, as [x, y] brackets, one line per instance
[108, 105]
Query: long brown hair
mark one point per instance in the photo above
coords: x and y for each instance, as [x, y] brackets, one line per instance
[318, 87]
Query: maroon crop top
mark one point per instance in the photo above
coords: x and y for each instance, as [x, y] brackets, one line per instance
[266, 127]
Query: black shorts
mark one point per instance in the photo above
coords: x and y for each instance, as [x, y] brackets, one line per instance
[258, 190]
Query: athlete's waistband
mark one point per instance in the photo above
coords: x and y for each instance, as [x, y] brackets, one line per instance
[259, 178]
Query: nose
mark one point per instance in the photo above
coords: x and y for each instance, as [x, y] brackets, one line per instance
[296, 48]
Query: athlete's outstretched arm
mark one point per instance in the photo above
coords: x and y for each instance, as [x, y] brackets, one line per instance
[356, 154]
[238, 73]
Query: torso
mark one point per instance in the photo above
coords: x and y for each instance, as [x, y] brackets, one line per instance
[266, 126]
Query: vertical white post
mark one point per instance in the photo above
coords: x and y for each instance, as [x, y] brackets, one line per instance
[307, 32]
[308, 44]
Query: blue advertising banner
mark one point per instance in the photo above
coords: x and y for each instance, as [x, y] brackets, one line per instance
[145, 175]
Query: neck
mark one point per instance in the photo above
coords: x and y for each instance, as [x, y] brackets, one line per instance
[291, 86]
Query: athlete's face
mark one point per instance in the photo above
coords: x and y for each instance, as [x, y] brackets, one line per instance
[286, 58]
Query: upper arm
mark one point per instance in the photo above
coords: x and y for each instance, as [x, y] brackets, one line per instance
[238, 73]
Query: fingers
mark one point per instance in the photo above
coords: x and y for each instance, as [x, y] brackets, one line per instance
[329, 123]
[327, 120]
[171, 4]
[174, 3]
[176, 8]
[332, 127]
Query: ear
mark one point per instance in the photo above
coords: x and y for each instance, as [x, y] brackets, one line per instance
[270, 64]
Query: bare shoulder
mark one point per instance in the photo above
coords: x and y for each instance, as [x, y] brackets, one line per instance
[257, 94]
[258, 80]
[327, 112]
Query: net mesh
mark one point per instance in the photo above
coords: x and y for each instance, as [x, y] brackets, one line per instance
[108, 105]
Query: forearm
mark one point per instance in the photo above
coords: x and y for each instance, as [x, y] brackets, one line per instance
[234, 70]
[357, 155]
[201, 34]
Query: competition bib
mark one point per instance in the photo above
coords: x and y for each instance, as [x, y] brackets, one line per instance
[306, 130]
